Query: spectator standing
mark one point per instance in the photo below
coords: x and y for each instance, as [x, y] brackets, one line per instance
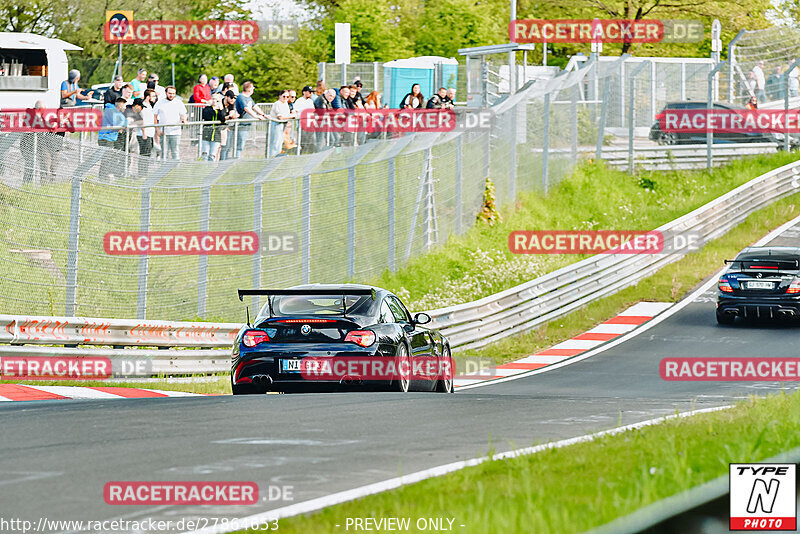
[373, 101]
[355, 94]
[246, 108]
[794, 82]
[752, 103]
[438, 101]
[139, 83]
[70, 91]
[320, 89]
[413, 99]
[761, 83]
[114, 92]
[226, 138]
[170, 111]
[161, 93]
[774, 85]
[210, 142]
[146, 133]
[279, 115]
[113, 116]
[233, 87]
[214, 85]
[325, 102]
[302, 104]
[201, 91]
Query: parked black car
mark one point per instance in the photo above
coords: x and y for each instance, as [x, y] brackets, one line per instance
[308, 327]
[682, 138]
[761, 283]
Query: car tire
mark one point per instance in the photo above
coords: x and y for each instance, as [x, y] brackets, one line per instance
[669, 139]
[401, 354]
[445, 384]
[726, 319]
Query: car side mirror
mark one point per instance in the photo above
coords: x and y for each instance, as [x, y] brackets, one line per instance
[422, 318]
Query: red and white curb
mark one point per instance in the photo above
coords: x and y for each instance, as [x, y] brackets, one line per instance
[623, 323]
[17, 392]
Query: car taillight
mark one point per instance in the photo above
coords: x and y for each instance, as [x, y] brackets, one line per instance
[364, 338]
[252, 338]
[794, 287]
[725, 285]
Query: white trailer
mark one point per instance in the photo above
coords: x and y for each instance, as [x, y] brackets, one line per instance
[32, 68]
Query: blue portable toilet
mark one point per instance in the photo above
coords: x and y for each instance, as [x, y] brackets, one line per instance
[399, 75]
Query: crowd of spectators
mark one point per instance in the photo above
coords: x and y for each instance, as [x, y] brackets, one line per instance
[142, 113]
[763, 87]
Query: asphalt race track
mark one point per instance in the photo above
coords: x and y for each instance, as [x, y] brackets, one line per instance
[58, 455]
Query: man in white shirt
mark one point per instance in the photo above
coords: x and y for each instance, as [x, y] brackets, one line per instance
[278, 115]
[301, 104]
[160, 91]
[170, 111]
[229, 78]
[761, 81]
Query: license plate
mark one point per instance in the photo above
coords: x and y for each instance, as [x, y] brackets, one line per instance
[290, 366]
[759, 285]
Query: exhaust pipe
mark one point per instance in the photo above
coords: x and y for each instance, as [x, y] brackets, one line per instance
[732, 311]
[348, 380]
[261, 379]
[786, 312]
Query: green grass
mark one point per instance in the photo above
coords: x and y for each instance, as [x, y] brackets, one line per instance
[575, 488]
[594, 197]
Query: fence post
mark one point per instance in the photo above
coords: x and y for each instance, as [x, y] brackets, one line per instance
[306, 254]
[786, 103]
[574, 124]
[632, 112]
[546, 143]
[257, 214]
[459, 183]
[709, 108]
[299, 134]
[390, 212]
[235, 139]
[683, 81]
[512, 156]
[375, 74]
[125, 150]
[268, 148]
[344, 73]
[732, 63]
[144, 259]
[351, 220]
[601, 128]
[72, 247]
[202, 271]
[80, 146]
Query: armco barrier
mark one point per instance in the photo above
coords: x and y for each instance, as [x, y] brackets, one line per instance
[470, 325]
[673, 157]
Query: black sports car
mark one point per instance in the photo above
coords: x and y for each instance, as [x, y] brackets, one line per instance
[326, 337]
[761, 283]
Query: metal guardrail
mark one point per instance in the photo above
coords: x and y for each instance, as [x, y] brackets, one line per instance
[656, 158]
[469, 325]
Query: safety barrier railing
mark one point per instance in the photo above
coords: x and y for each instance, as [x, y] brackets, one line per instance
[469, 325]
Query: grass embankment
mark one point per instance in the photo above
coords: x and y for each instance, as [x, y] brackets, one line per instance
[575, 488]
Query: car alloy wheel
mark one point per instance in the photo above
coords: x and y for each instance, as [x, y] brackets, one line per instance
[404, 383]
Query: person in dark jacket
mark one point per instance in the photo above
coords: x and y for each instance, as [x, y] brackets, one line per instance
[438, 101]
[212, 134]
[114, 92]
[414, 99]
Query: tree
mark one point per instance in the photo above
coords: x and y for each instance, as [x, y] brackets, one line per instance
[448, 25]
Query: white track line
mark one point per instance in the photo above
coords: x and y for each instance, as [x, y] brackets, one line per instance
[394, 483]
[641, 328]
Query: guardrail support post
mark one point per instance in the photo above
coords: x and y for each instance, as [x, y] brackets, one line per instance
[351, 221]
[72, 247]
[546, 144]
[459, 184]
[390, 213]
[709, 108]
[306, 254]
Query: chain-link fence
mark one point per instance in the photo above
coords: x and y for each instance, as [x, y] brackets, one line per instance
[350, 211]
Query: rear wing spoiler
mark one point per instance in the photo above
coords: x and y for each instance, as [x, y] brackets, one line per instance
[795, 262]
[355, 292]
[298, 292]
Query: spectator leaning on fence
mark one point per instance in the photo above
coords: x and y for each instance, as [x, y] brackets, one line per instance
[201, 91]
[226, 138]
[114, 92]
[214, 85]
[325, 102]
[437, 101]
[320, 89]
[246, 108]
[450, 99]
[355, 93]
[373, 101]
[304, 102]
[414, 99]
[139, 83]
[170, 111]
[233, 87]
[70, 92]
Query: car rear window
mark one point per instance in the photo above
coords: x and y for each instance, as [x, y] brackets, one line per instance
[319, 305]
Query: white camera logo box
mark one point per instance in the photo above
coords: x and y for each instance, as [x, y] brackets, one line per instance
[763, 497]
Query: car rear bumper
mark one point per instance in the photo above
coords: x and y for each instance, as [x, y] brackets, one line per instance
[783, 307]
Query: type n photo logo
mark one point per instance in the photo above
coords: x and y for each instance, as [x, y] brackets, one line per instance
[763, 497]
